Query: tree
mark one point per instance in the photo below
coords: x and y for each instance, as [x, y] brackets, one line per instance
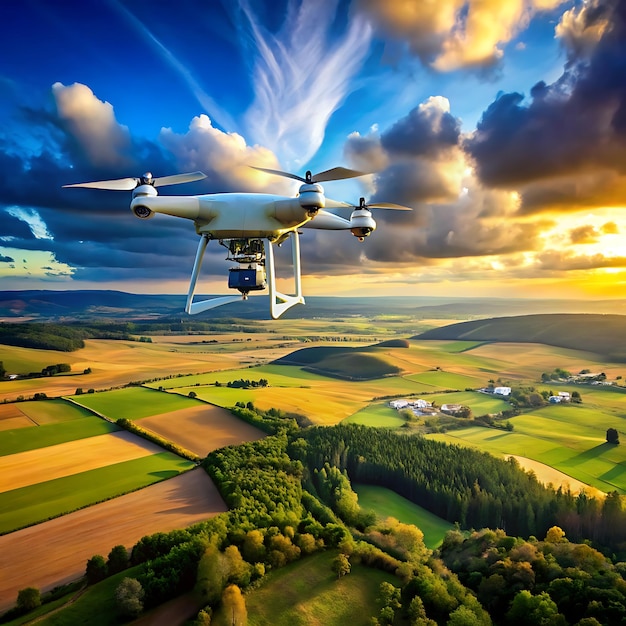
[129, 598]
[117, 560]
[612, 436]
[341, 565]
[192, 394]
[96, 569]
[3, 372]
[28, 599]
[234, 606]
[555, 535]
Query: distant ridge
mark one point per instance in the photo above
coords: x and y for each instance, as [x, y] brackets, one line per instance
[602, 334]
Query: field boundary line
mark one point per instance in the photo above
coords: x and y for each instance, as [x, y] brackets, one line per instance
[82, 406]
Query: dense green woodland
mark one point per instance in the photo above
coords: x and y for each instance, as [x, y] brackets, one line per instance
[290, 495]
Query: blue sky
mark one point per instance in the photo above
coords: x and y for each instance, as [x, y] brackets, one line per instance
[501, 122]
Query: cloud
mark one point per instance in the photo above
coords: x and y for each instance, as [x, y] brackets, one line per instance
[610, 228]
[225, 157]
[552, 260]
[300, 77]
[6, 259]
[453, 34]
[92, 125]
[33, 220]
[565, 148]
[584, 234]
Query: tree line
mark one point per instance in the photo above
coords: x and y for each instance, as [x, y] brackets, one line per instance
[461, 485]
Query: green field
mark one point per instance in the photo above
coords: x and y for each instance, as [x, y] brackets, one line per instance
[133, 402]
[447, 380]
[36, 503]
[377, 415]
[53, 411]
[386, 503]
[308, 592]
[570, 438]
[23, 439]
[480, 403]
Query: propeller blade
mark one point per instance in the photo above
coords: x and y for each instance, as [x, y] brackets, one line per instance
[279, 173]
[388, 205]
[336, 173]
[177, 179]
[119, 184]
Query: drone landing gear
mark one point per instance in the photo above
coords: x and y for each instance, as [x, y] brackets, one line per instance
[204, 305]
[279, 302]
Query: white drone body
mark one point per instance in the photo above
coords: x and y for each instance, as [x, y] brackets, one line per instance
[249, 225]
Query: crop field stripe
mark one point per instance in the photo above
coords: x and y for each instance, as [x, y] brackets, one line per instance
[23, 439]
[29, 505]
[73, 457]
[133, 402]
[53, 411]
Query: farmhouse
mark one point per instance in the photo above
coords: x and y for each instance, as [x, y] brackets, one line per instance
[403, 404]
[452, 409]
[502, 391]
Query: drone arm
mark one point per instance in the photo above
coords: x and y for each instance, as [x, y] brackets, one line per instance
[324, 220]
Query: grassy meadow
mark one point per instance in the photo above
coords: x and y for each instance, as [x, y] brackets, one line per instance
[308, 592]
[386, 503]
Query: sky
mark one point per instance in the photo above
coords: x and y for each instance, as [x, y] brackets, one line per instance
[502, 123]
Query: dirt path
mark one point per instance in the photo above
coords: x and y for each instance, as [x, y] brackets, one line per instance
[56, 552]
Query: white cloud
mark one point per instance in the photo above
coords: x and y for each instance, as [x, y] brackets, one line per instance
[32, 219]
[300, 78]
[92, 124]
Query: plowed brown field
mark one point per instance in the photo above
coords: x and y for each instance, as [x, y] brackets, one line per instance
[65, 459]
[201, 429]
[57, 551]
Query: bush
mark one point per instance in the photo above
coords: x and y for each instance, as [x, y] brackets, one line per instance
[28, 599]
[129, 598]
[96, 569]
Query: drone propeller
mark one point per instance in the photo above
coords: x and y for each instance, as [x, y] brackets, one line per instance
[128, 184]
[336, 173]
[378, 205]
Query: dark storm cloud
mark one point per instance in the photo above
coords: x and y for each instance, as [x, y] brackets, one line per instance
[424, 131]
[6, 259]
[572, 129]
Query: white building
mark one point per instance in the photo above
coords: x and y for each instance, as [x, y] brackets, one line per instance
[502, 391]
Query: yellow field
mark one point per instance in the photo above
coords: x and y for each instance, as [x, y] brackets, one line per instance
[11, 416]
[56, 552]
[201, 429]
[29, 468]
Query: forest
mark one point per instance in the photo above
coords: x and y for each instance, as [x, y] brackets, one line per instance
[290, 495]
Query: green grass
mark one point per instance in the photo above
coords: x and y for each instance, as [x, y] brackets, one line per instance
[95, 607]
[23, 439]
[133, 402]
[53, 411]
[480, 403]
[447, 380]
[308, 592]
[378, 415]
[36, 503]
[569, 438]
[386, 503]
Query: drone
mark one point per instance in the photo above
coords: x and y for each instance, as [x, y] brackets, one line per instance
[249, 225]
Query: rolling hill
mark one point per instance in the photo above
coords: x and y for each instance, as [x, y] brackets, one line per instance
[602, 334]
[347, 363]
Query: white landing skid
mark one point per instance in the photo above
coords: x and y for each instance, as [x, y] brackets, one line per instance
[279, 302]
